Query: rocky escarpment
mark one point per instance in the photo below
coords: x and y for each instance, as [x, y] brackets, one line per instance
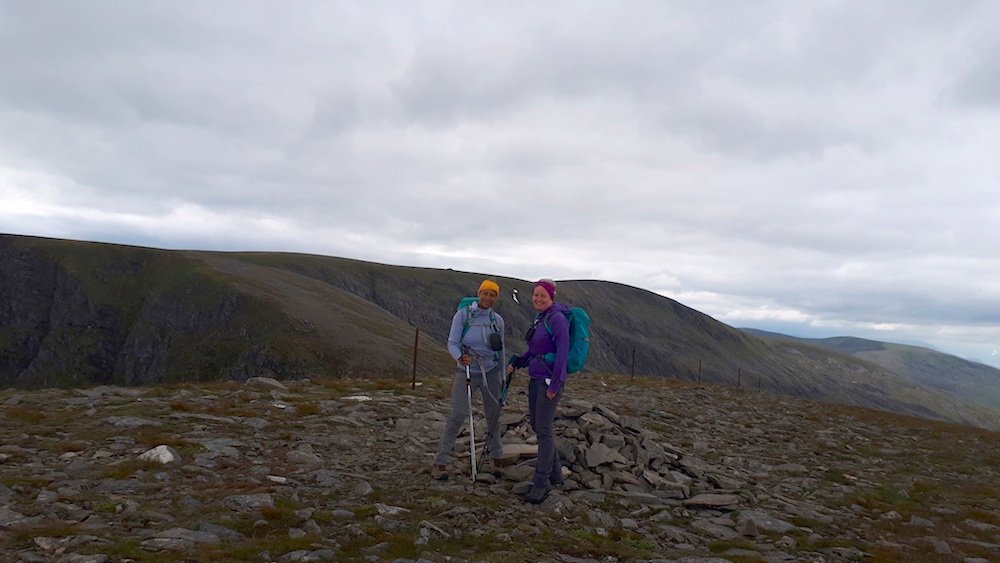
[83, 313]
[118, 315]
[338, 471]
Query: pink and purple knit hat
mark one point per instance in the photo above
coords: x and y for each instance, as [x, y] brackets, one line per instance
[548, 285]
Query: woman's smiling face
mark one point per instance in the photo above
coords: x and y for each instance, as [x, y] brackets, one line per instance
[540, 299]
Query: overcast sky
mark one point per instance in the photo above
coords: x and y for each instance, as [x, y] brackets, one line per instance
[816, 168]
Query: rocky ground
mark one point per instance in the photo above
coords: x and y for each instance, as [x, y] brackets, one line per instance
[338, 470]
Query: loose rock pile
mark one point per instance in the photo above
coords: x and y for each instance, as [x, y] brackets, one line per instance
[322, 471]
[606, 451]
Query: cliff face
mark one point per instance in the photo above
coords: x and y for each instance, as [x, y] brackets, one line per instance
[109, 315]
[29, 290]
[77, 313]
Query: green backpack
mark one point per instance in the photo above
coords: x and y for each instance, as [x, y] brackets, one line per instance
[579, 339]
[466, 304]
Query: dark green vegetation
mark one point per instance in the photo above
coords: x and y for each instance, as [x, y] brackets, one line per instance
[929, 368]
[73, 313]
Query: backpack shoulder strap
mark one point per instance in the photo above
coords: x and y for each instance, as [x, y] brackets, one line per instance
[468, 319]
[545, 321]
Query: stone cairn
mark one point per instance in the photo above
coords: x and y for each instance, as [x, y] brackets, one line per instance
[604, 451]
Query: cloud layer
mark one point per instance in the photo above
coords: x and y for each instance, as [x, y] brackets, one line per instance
[820, 169]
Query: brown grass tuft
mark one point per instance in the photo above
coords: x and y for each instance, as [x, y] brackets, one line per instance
[24, 414]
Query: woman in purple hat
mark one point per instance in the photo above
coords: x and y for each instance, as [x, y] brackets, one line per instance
[548, 350]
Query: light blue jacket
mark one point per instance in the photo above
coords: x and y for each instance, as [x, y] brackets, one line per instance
[481, 323]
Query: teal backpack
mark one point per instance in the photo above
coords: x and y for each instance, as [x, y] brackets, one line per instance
[579, 339]
[466, 305]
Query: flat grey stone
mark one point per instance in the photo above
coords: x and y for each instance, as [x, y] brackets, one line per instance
[299, 457]
[131, 421]
[222, 532]
[631, 423]
[795, 468]
[712, 500]
[981, 526]
[81, 558]
[225, 446]
[166, 544]
[6, 493]
[189, 535]
[593, 420]
[117, 486]
[608, 413]
[848, 553]
[266, 382]
[766, 522]
[921, 522]
[10, 518]
[715, 530]
[600, 454]
[249, 503]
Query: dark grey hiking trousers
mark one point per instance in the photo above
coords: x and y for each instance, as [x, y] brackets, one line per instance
[459, 415]
[542, 411]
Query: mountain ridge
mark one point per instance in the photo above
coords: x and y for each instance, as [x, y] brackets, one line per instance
[73, 312]
[971, 380]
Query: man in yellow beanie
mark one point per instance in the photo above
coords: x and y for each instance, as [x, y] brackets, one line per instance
[476, 341]
[492, 286]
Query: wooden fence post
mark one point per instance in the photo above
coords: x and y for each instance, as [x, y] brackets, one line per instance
[633, 362]
[416, 342]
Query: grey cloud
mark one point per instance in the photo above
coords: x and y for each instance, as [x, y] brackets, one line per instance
[978, 86]
[827, 159]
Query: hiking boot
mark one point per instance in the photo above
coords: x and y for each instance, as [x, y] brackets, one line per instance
[559, 479]
[537, 495]
[440, 472]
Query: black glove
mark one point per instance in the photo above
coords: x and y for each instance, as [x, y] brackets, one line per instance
[516, 361]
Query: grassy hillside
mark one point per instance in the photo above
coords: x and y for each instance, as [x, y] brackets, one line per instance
[971, 381]
[668, 338]
[74, 313]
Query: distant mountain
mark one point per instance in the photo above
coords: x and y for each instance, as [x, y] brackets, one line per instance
[75, 313]
[970, 380]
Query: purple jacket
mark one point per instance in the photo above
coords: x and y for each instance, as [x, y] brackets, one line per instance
[542, 343]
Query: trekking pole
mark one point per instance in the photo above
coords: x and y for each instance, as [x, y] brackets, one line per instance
[472, 422]
[495, 421]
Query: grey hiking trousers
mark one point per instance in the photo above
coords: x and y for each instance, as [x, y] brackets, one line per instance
[459, 415]
[542, 413]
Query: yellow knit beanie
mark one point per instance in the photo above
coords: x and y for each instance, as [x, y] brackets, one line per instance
[489, 284]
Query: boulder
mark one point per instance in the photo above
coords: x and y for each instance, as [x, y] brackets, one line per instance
[162, 454]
